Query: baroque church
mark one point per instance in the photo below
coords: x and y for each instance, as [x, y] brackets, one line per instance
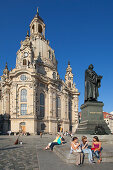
[33, 98]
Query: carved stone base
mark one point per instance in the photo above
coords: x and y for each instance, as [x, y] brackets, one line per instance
[92, 121]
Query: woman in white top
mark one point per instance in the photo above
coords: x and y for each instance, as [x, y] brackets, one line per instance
[76, 150]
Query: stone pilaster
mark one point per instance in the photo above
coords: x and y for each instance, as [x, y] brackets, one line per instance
[54, 105]
[74, 113]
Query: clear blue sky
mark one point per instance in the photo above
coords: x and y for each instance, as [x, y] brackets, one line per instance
[79, 30]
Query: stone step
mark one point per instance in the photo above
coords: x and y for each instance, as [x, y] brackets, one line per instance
[63, 151]
[92, 127]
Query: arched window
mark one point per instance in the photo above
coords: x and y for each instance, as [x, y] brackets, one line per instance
[69, 109]
[23, 102]
[33, 29]
[54, 75]
[24, 62]
[69, 84]
[49, 53]
[0, 94]
[58, 107]
[39, 28]
[23, 95]
[58, 102]
[23, 123]
[52, 57]
[42, 105]
[23, 77]
[23, 109]
[22, 127]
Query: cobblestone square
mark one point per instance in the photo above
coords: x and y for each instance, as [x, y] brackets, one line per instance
[31, 156]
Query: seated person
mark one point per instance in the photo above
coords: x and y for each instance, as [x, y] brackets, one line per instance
[76, 150]
[85, 149]
[48, 146]
[63, 139]
[96, 148]
[59, 141]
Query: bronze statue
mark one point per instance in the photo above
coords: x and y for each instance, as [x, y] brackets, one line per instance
[92, 83]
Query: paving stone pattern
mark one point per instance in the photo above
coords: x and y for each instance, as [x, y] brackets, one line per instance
[18, 156]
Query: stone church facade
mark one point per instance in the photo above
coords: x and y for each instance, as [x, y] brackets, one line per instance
[33, 98]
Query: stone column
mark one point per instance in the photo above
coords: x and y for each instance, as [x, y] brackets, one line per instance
[74, 113]
[7, 101]
[65, 106]
[15, 99]
[62, 107]
[34, 99]
[6, 111]
[31, 98]
[54, 105]
[50, 109]
[50, 104]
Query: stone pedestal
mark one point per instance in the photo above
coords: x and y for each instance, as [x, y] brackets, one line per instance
[92, 121]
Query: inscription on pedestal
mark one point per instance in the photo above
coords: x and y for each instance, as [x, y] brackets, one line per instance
[96, 112]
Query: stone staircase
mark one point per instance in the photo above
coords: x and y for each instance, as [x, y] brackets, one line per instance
[63, 151]
[92, 127]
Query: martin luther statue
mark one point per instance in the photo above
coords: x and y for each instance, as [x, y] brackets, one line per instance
[92, 83]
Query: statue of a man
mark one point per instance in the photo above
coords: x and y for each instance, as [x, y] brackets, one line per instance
[92, 83]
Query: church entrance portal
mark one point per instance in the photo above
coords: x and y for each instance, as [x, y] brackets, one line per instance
[59, 128]
[23, 127]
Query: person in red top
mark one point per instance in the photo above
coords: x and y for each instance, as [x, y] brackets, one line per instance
[96, 148]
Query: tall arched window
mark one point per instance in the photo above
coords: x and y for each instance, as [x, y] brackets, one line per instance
[58, 107]
[54, 75]
[49, 53]
[0, 94]
[69, 110]
[23, 95]
[24, 62]
[42, 105]
[33, 28]
[70, 115]
[52, 57]
[39, 28]
[23, 102]
[69, 84]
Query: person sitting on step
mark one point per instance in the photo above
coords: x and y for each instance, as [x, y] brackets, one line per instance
[59, 141]
[85, 149]
[48, 146]
[76, 150]
[96, 148]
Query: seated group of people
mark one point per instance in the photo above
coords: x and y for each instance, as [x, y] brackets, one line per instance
[81, 148]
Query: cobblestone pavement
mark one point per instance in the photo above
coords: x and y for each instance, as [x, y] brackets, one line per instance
[18, 156]
[31, 156]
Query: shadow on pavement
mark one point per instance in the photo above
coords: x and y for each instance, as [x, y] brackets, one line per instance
[8, 148]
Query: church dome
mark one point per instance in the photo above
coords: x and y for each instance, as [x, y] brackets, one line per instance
[35, 50]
